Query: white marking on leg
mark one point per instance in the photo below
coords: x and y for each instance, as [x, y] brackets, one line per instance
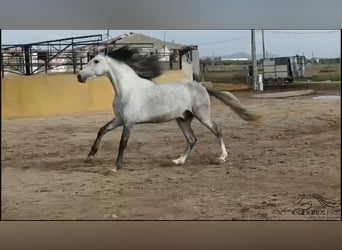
[180, 160]
[224, 154]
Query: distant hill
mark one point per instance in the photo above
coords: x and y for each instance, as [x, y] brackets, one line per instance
[237, 55]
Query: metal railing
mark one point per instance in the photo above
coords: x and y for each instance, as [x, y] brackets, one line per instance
[70, 55]
[33, 58]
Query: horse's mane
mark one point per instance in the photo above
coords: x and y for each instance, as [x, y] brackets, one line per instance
[145, 66]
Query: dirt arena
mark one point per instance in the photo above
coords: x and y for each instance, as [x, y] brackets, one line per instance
[294, 151]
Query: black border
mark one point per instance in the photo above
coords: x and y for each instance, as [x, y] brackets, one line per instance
[147, 14]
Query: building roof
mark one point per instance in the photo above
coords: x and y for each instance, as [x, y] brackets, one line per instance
[136, 38]
[140, 38]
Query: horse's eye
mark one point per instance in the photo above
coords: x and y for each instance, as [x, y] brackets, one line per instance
[96, 61]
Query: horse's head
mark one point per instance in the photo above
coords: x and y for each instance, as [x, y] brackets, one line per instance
[95, 68]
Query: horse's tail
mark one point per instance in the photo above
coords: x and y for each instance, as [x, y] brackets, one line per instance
[234, 103]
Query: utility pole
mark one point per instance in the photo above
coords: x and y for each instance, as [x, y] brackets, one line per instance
[165, 43]
[263, 45]
[213, 57]
[254, 62]
[107, 42]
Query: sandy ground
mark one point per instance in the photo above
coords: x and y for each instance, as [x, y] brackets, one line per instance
[296, 150]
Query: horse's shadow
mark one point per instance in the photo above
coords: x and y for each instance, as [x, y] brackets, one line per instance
[103, 165]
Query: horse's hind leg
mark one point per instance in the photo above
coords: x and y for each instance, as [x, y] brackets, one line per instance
[185, 126]
[116, 122]
[203, 115]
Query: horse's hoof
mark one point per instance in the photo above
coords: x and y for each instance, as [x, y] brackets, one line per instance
[223, 159]
[89, 159]
[114, 170]
[178, 162]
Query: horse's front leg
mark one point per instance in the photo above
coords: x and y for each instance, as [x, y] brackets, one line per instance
[123, 144]
[113, 124]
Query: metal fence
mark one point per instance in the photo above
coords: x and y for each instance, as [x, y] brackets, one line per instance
[70, 55]
[52, 55]
[42, 61]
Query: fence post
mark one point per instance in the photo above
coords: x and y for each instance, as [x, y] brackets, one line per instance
[254, 61]
[73, 56]
[2, 66]
[27, 60]
[180, 60]
[46, 62]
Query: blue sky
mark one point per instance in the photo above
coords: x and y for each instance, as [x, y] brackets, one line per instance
[322, 43]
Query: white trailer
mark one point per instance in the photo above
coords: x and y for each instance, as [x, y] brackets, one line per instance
[283, 69]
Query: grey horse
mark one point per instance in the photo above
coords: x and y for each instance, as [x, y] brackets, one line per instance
[140, 100]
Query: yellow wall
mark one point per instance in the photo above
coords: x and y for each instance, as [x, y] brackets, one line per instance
[60, 94]
[172, 76]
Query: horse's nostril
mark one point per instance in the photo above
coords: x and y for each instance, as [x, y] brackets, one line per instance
[79, 78]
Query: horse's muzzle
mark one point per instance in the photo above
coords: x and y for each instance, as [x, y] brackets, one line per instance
[79, 78]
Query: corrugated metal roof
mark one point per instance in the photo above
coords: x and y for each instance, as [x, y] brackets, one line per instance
[140, 38]
[136, 38]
